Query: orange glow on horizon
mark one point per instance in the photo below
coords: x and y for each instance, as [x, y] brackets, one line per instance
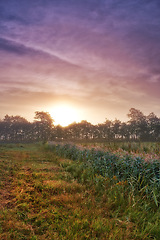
[64, 115]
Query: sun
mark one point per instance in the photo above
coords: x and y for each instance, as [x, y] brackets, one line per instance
[64, 115]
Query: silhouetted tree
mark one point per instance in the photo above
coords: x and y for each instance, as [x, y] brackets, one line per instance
[58, 133]
[138, 124]
[124, 131]
[15, 128]
[85, 129]
[43, 125]
[153, 126]
[116, 128]
[139, 127]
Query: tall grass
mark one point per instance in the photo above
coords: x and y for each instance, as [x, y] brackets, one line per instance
[131, 147]
[140, 174]
[127, 186]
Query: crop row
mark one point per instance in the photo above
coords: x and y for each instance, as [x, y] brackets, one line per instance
[141, 175]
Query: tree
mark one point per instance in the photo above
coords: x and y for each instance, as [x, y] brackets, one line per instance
[153, 126]
[85, 130]
[15, 128]
[124, 131]
[108, 129]
[116, 128]
[138, 124]
[58, 133]
[43, 126]
[14, 119]
[72, 131]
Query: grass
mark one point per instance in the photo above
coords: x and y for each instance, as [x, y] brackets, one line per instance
[135, 147]
[44, 196]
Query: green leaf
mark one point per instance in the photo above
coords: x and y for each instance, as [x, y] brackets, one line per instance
[155, 198]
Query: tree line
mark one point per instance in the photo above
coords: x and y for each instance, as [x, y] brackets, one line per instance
[138, 128]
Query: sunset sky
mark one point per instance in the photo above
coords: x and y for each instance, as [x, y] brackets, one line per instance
[91, 59]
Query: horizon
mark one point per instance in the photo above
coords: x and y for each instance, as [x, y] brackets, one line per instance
[63, 124]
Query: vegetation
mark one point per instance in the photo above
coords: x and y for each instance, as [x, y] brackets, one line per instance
[140, 174]
[94, 196]
[138, 128]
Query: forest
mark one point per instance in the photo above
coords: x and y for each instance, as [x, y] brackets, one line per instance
[138, 128]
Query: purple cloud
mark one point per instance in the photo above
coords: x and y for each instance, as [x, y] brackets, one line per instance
[100, 53]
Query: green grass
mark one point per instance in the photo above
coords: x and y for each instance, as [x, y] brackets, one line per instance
[44, 196]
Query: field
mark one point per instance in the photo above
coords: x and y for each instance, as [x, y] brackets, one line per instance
[83, 191]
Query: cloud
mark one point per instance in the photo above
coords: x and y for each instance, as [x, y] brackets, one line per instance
[101, 54]
[12, 47]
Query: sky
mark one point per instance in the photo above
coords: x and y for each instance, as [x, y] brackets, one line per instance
[97, 57]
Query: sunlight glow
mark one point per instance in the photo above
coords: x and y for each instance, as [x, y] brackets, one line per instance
[64, 115]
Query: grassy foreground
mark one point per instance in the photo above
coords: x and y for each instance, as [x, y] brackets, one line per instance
[43, 196]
